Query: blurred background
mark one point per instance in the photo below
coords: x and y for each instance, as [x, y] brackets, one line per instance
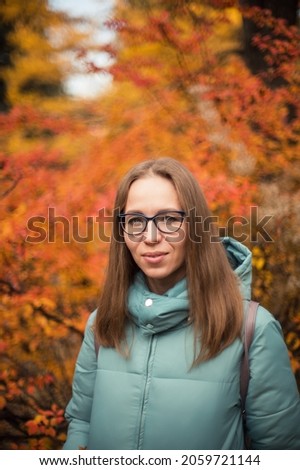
[87, 89]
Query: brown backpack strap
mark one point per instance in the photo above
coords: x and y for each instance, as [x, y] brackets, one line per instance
[248, 335]
[245, 372]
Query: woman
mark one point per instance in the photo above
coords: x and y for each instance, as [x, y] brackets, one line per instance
[169, 325]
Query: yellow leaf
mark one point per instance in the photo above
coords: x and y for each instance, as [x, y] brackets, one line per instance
[259, 263]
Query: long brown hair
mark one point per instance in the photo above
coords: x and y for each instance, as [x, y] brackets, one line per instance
[215, 301]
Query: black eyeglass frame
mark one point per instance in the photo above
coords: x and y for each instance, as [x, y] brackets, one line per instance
[122, 215]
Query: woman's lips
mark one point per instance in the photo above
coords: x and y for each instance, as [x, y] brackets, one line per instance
[154, 258]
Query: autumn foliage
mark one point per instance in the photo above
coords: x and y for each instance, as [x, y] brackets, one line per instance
[181, 88]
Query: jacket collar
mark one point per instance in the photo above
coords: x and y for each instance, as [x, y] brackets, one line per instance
[155, 313]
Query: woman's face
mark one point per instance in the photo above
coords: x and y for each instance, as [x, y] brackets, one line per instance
[161, 256]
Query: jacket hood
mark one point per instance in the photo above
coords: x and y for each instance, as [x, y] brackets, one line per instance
[155, 313]
[240, 259]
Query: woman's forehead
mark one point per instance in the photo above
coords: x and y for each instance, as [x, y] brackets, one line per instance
[152, 193]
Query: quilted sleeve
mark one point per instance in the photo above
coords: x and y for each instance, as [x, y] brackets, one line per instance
[273, 403]
[78, 410]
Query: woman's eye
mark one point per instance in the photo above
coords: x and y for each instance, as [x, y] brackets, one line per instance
[171, 218]
[134, 221]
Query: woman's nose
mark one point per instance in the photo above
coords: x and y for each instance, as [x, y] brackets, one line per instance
[151, 234]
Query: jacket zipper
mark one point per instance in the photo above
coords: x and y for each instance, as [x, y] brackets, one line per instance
[145, 392]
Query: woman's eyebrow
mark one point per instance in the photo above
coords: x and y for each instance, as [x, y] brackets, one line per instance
[168, 209]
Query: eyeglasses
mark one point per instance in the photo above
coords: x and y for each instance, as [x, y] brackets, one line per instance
[166, 222]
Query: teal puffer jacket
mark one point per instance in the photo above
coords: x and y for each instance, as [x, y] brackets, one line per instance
[155, 400]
